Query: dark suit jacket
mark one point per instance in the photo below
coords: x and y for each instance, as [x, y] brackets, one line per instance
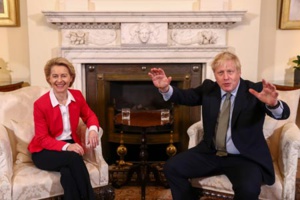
[246, 125]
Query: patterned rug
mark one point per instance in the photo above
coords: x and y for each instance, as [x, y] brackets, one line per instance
[152, 193]
[134, 193]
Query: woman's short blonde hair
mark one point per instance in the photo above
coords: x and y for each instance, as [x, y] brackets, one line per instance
[221, 58]
[59, 61]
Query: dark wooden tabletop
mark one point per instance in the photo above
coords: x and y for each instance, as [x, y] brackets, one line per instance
[143, 119]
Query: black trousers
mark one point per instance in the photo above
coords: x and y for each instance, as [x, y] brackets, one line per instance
[245, 175]
[75, 178]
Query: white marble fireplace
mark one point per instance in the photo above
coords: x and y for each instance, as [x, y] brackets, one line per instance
[112, 44]
[142, 37]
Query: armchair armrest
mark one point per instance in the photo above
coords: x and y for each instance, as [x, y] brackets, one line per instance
[94, 156]
[289, 147]
[195, 133]
[6, 164]
[102, 165]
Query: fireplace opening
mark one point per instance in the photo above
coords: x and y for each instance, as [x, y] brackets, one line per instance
[111, 87]
[136, 95]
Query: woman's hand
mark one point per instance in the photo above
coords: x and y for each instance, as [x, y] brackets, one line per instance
[76, 148]
[93, 139]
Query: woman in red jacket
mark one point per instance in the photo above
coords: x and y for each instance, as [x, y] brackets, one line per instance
[55, 145]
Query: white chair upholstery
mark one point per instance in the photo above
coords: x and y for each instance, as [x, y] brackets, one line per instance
[283, 138]
[19, 178]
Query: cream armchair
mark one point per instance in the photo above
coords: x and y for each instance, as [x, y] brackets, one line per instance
[283, 138]
[19, 178]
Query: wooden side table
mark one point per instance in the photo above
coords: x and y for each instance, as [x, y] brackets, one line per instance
[144, 122]
[282, 85]
[6, 87]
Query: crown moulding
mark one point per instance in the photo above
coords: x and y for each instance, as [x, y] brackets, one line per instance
[201, 18]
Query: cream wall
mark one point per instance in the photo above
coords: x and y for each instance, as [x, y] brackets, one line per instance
[14, 47]
[264, 50]
[276, 47]
[243, 39]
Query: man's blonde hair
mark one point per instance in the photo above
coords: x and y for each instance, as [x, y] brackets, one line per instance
[221, 58]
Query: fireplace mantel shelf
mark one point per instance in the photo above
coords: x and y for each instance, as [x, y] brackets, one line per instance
[55, 17]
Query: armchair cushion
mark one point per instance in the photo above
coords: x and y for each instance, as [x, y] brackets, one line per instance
[27, 180]
[24, 132]
[221, 184]
[33, 183]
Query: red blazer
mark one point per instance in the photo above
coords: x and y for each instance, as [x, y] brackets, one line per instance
[48, 122]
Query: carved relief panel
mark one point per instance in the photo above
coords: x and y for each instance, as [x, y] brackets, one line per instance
[105, 34]
[195, 34]
[144, 34]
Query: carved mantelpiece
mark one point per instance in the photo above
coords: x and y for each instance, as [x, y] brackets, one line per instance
[142, 37]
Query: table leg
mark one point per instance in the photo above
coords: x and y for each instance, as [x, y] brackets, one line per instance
[143, 157]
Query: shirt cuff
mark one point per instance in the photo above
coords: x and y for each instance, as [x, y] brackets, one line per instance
[167, 95]
[274, 107]
[65, 147]
[277, 110]
[93, 128]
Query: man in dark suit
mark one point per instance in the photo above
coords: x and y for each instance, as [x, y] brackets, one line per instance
[244, 158]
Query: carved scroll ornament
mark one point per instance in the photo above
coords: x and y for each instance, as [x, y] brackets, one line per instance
[189, 37]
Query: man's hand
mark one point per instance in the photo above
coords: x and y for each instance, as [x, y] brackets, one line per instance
[159, 79]
[93, 139]
[268, 95]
